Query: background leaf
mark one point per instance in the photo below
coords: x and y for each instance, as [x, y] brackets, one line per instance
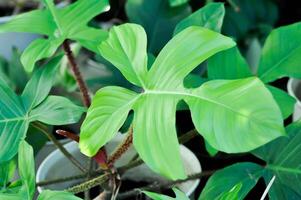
[26, 168]
[225, 179]
[228, 64]
[280, 55]
[158, 19]
[210, 16]
[285, 164]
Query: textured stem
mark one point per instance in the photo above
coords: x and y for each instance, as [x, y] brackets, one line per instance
[158, 187]
[122, 148]
[70, 178]
[77, 74]
[89, 184]
[234, 5]
[44, 130]
[186, 137]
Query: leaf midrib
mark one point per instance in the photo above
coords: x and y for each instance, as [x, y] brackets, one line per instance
[158, 92]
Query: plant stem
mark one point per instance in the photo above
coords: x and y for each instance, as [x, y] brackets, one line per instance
[77, 74]
[44, 130]
[122, 148]
[186, 137]
[89, 184]
[158, 187]
[65, 179]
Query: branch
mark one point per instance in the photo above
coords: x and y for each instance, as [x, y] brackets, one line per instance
[159, 187]
[89, 184]
[44, 130]
[77, 74]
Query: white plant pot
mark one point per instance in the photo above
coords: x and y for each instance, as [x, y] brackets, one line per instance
[57, 166]
[48, 148]
[293, 87]
[10, 40]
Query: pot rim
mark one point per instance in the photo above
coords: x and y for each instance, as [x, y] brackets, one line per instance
[71, 147]
[291, 91]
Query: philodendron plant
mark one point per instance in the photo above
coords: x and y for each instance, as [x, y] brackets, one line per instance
[232, 115]
[233, 110]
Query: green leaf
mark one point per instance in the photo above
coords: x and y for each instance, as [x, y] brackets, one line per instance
[226, 179]
[109, 109]
[55, 195]
[58, 24]
[280, 55]
[126, 49]
[228, 64]
[285, 163]
[57, 110]
[12, 124]
[30, 22]
[27, 168]
[40, 84]
[154, 109]
[39, 49]
[96, 36]
[248, 125]
[210, 16]
[184, 53]
[14, 116]
[179, 195]
[158, 19]
[285, 102]
[159, 138]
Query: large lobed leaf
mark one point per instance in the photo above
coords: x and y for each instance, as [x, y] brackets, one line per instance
[19, 111]
[233, 116]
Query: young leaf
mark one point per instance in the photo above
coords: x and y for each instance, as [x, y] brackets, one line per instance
[38, 87]
[109, 109]
[57, 110]
[158, 19]
[225, 179]
[129, 44]
[39, 49]
[285, 164]
[280, 55]
[58, 24]
[26, 169]
[210, 16]
[56, 195]
[228, 64]
[154, 109]
[179, 195]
